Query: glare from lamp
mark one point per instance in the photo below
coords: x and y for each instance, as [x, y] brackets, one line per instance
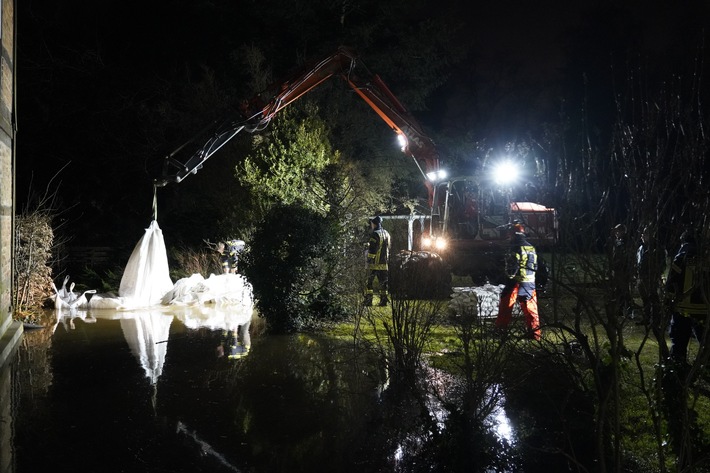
[505, 173]
[436, 176]
[440, 243]
[402, 140]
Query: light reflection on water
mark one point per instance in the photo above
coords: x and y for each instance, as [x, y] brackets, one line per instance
[145, 391]
[440, 382]
[502, 426]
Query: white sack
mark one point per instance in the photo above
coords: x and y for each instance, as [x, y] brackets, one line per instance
[147, 276]
[221, 290]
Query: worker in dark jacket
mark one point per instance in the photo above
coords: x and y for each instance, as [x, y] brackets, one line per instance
[378, 252]
[229, 255]
[521, 266]
[686, 299]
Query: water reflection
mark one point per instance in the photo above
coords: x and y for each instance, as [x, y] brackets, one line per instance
[147, 336]
[205, 447]
[143, 391]
[501, 424]
[66, 318]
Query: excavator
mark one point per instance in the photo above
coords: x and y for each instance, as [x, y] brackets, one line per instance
[468, 220]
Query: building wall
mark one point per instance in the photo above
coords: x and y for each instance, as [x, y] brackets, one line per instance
[10, 332]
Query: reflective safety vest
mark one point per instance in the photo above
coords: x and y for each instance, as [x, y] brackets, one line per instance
[235, 246]
[378, 252]
[685, 283]
[524, 263]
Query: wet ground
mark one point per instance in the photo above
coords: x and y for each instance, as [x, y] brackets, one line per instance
[146, 392]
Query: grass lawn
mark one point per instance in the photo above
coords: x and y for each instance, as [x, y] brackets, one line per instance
[639, 368]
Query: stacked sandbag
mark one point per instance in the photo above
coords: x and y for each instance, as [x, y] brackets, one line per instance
[482, 300]
[464, 301]
[489, 298]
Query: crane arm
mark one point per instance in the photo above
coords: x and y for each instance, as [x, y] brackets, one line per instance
[256, 114]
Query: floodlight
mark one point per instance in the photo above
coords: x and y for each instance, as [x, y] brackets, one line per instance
[505, 173]
[436, 176]
[440, 243]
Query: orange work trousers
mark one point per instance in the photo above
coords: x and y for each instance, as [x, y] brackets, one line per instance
[526, 296]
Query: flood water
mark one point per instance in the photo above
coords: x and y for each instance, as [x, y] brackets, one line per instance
[145, 391]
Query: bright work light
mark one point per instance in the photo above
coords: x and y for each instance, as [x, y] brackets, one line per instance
[505, 173]
[435, 176]
[440, 243]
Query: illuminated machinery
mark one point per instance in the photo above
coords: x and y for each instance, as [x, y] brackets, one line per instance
[471, 221]
[467, 217]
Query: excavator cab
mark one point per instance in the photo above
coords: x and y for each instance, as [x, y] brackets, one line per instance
[463, 209]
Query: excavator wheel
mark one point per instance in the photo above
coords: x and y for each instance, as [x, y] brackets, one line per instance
[419, 275]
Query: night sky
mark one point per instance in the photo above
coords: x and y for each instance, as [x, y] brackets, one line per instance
[92, 73]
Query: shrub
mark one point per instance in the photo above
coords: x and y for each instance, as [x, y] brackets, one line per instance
[34, 239]
[194, 261]
[291, 262]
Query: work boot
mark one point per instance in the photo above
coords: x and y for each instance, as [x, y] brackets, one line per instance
[384, 301]
[368, 301]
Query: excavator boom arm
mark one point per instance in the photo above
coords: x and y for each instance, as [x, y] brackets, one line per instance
[256, 114]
